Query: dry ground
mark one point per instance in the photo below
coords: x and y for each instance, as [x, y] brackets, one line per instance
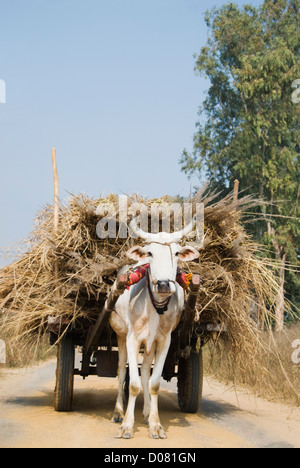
[226, 419]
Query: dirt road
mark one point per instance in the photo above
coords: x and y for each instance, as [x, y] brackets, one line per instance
[27, 418]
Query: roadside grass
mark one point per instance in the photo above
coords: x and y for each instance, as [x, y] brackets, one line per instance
[283, 375]
[18, 356]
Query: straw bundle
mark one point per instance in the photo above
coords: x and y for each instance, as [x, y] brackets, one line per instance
[238, 290]
[87, 265]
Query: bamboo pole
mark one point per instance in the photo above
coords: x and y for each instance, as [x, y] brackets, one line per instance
[190, 307]
[93, 337]
[236, 190]
[56, 192]
[55, 215]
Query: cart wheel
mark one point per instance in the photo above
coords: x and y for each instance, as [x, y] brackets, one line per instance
[190, 382]
[63, 393]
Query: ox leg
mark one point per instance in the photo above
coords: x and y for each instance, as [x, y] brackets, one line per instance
[156, 430]
[126, 431]
[118, 415]
[145, 376]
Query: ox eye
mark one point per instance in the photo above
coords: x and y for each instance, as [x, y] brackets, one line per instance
[177, 254]
[149, 254]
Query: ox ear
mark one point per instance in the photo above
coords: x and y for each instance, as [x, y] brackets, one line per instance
[136, 253]
[188, 253]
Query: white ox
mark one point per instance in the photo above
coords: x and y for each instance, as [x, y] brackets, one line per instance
[146, 314]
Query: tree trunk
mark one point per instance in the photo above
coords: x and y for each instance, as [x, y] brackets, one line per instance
[281, 256]
[279, 312]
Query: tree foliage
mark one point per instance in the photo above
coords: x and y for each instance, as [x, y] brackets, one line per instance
[248, 124]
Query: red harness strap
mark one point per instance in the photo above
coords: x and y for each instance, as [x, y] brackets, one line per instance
[182, 278]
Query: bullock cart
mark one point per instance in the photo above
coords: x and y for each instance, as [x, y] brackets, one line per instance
[98, 344]
[66, 284]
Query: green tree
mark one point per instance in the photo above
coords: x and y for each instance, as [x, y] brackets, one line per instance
[249, 123]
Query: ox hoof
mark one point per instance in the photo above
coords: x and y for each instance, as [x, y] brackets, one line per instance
[124, 433]
[117, 417]
[157, 432]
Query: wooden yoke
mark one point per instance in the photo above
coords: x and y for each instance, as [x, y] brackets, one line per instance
[93, 337]
[190, 306]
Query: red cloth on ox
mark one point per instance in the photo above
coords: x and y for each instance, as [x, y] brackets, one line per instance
[137, 275]
[182, 278]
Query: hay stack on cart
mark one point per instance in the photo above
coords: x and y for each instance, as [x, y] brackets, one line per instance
[67, 275]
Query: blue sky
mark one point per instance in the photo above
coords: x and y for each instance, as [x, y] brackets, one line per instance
[110, 84]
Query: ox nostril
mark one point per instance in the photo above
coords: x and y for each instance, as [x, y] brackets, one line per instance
[163, 286]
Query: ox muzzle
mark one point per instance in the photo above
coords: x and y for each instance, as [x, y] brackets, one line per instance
[163, 287]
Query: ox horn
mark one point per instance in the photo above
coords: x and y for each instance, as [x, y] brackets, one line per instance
[138, 231]
[188, 229]
[174, 236]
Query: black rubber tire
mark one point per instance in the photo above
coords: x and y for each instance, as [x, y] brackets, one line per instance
[190, 382]
[63, 393]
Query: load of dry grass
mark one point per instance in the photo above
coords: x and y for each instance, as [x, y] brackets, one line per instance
[69, 274]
